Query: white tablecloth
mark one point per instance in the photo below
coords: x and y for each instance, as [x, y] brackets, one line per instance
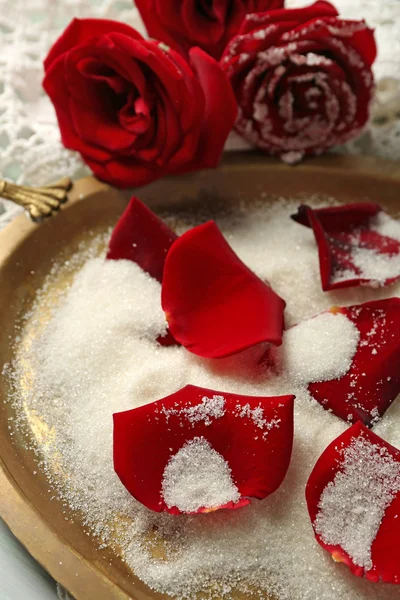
[31, 151]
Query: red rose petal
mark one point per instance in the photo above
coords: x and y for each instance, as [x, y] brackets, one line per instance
[81, 31]
[220, 116]
[143, 238]
[215, 306]
[319, 9]
[373, 381]
[302, 79]
[254, 435]
[339, 232]
[210, 25]
[385, 548]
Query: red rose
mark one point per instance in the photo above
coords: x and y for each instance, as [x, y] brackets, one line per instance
[209, 24]
[134, 109]
[302, 79]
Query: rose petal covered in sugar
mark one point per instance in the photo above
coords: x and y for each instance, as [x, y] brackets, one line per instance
[371, 384]
[215, 305]
[353, 498]
[358, 244]
[245, 441]
[302, 79]
[142, 237]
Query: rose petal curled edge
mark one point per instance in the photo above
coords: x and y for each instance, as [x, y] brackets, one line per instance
[385, 549]
[183, 25]
[373, 380]
[215, 305]
[179, 122]
[141, 237]
[257, 450]
[220, 108]
[340, 230]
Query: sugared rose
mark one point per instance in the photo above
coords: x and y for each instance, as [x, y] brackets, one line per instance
[209, 24]
[133, 108]
[302, 79]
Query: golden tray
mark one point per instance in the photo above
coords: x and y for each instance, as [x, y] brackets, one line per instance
[26, 253]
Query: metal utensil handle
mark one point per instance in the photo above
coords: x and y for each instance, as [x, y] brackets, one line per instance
[39, 202]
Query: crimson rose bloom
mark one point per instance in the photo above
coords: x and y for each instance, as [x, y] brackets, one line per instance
[302, 79]
[134, 109]
[209, 24]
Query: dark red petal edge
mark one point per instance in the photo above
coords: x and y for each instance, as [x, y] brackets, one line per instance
[334, 230]
[385, 550]
[215, 306]
[373, 381]
[338, 217]
[257, 452]
[143, 238]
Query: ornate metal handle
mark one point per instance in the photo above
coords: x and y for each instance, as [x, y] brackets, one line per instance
[38, 202]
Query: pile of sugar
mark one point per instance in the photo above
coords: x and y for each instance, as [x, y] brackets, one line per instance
[371, 264]
[383, 224]
[97, 356]
[352, 506]
[320, 349]
[197, 476]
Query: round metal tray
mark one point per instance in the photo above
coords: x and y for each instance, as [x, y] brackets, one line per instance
[26, 254]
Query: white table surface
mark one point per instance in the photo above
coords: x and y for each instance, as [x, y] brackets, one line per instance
[31, 151]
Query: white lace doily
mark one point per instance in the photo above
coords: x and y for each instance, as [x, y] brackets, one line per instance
[30, 147]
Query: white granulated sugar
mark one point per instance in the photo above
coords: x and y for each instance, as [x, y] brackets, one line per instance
[98, 356]
[352, 506]
[371, 265]
[257, 416]
[319, 349]
[208, 410]
[385, 225]
[197, 476]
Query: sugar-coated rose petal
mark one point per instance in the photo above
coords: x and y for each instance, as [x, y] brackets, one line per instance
[215, 306]
[373, 381]
[254, 435]
[353, 498]
[302, 79]
[354, 242]
[142, 237]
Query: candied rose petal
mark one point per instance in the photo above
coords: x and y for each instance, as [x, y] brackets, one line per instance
[373, 380]
[254, 435]
[143, 238]
[215, 306]
[385, 548]
[340, 231]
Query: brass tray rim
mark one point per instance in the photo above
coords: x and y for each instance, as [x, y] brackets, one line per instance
[47, 546]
